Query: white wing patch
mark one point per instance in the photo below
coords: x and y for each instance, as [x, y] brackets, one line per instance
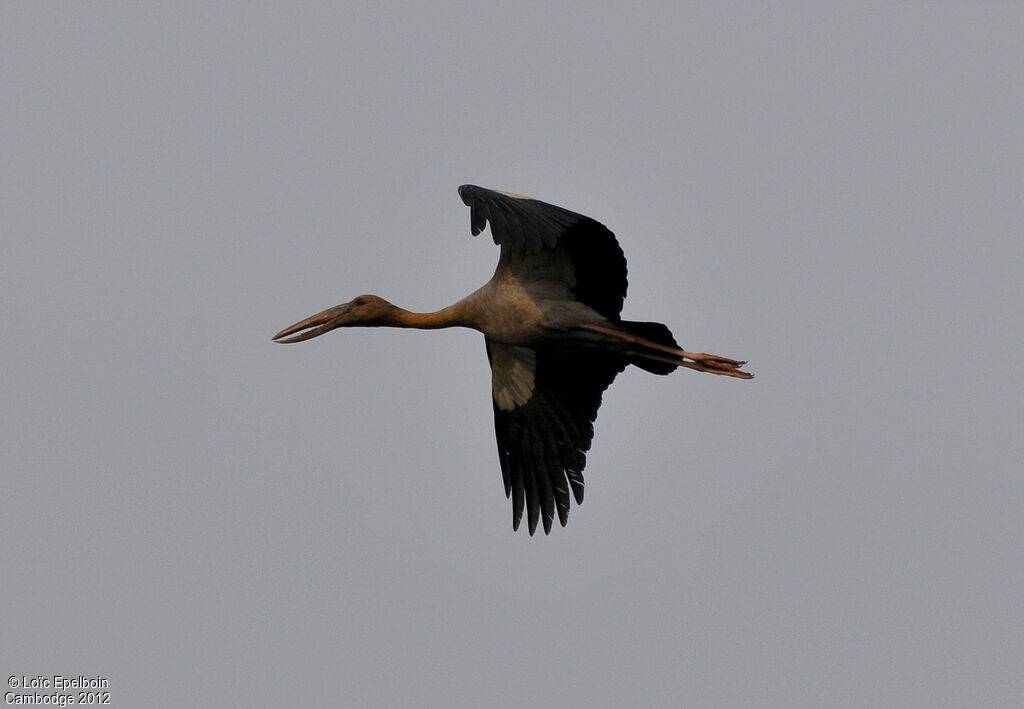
[512, 370]
[513, 195]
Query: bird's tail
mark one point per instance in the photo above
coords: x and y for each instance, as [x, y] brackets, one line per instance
[646, 334]
[651, 346]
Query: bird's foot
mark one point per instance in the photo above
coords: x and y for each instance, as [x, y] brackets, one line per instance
[715, 364]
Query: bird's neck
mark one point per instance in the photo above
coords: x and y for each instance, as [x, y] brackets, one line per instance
[452, 316]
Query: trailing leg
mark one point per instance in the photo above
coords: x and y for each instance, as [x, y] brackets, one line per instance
[665, 351]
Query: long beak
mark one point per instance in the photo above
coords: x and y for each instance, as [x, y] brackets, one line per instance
[316, 325]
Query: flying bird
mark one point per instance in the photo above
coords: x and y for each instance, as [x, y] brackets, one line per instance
[554, 339]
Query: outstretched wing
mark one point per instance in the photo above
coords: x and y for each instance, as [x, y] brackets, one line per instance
[524, 227]
[545, 404]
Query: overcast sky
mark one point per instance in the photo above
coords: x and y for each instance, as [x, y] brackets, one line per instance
[205, 518]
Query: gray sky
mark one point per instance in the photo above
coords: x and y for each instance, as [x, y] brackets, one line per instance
[205, 518]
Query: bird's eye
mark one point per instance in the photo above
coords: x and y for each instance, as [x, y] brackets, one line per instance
[360, 301]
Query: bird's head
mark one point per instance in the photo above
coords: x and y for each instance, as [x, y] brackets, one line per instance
[363, 311]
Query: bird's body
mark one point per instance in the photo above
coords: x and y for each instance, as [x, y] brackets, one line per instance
[550, 320]
[513, 312]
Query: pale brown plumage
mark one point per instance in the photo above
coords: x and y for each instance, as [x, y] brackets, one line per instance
[550, 319]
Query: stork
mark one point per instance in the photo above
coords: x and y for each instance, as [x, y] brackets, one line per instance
[554, 339]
